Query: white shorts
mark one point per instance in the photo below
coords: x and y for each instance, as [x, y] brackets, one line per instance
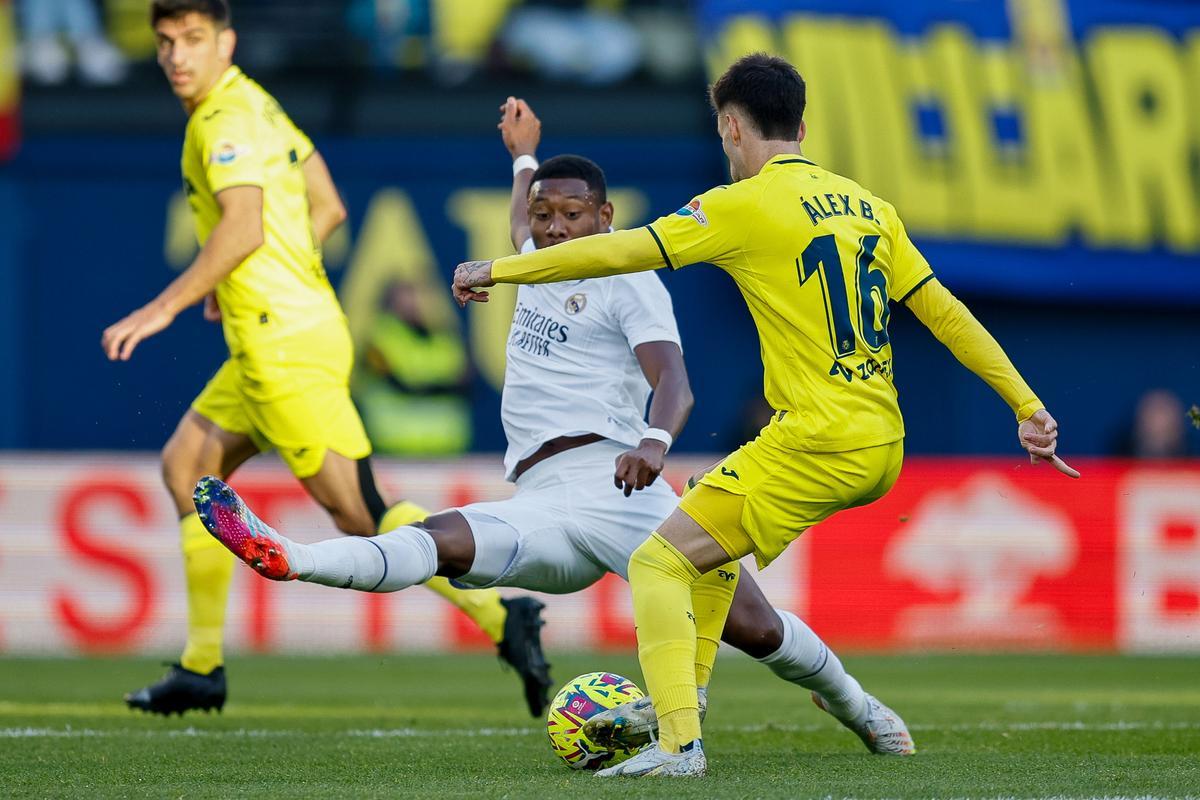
[566, 526]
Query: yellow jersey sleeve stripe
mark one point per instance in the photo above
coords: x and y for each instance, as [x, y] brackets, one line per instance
[661, 249]
[920, 283]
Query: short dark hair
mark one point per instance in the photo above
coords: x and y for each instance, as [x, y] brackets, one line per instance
[569, 166]
[216, 10]
[767, 89]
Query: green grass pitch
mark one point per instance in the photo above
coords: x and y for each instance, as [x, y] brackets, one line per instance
[453, 726]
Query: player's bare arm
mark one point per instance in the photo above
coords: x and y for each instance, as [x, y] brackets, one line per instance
[662, 364]
[233, 240]
[521, 131]
[325, 205]
[955, 327]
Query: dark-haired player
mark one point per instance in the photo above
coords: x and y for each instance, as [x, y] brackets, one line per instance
[817, 258]
[583, 357]
[263, 202]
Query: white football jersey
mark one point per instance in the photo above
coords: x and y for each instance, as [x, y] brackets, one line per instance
[570, 366]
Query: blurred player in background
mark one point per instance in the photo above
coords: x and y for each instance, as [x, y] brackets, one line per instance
[817, 258]
[264, 201]
[582, 359]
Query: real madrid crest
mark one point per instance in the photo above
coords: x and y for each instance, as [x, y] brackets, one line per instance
[576, 303]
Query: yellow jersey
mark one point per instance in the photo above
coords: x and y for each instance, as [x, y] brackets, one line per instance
[239, 136]
[817, 258]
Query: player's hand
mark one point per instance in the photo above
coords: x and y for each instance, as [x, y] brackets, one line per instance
[470, 276]
[1039, 436]
[638, 468]
[212, 309]
[122, 337]
[519, 127]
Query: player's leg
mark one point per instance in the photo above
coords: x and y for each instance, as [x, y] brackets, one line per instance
[443, 544]
[198, 446]
[484, 607]
[784, 643]
[663, 574]
[320, 435]
[780, 640]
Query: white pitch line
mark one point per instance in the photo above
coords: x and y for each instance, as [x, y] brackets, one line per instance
[472, 733]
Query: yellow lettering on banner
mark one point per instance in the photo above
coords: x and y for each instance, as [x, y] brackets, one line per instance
[483, 216]
[391, 245]
[179, 240]
[1143, 98]
[994, 182]
[924, 170]
[878, 129]
[741, 35]
[10, 83]
[952, 60]
[1065, 149]
[815, 46]
[1010, 205]
[1192, 69]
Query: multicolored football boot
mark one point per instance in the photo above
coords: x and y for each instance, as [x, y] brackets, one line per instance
[234, 525]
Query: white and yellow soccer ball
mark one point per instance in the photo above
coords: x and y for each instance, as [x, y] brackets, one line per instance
[577, 702]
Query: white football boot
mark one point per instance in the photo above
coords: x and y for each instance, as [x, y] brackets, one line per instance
[652, 761]
[630, 725]
[882, 730]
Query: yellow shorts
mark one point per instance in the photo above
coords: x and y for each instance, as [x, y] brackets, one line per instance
[292, 395]
[765, 494]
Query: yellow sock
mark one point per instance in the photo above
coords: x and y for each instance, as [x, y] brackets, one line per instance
[483, 606]
[712, 595]
[661, 579]
[208, 568]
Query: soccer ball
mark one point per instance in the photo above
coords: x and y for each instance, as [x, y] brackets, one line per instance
[574, 704]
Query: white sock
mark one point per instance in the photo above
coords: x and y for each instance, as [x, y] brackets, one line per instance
[384, 563]
[805, 660]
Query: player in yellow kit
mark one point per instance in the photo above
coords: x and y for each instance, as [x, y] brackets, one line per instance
[263, 201]
[817, 258]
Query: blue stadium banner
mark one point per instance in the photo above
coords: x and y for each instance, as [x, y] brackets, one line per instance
[1038, 147]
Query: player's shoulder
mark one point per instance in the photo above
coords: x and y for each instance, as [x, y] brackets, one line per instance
[220, 114]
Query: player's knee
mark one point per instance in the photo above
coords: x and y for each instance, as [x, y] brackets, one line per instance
[178, 474]
[454, 540]
[641, 563]
[758, 635]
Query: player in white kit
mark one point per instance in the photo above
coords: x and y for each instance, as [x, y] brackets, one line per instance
[583, 357]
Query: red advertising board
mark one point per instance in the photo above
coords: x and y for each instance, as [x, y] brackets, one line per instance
[980, 554]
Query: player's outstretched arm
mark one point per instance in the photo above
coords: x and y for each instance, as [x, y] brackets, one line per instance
[521, 131]
[238, 234]
[976, 349]
[325, 206]
[662, 364]
[596, 256]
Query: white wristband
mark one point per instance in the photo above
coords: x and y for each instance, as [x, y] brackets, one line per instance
[658, 435]
[524, 162]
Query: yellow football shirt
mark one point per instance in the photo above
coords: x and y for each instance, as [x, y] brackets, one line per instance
[817, 258]
[239, 136]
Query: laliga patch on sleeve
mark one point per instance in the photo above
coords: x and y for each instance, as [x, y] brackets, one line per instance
[225, 153]
[694, 211]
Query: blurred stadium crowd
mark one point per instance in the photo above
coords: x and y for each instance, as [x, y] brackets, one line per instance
[401, 95]
[590, 42]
